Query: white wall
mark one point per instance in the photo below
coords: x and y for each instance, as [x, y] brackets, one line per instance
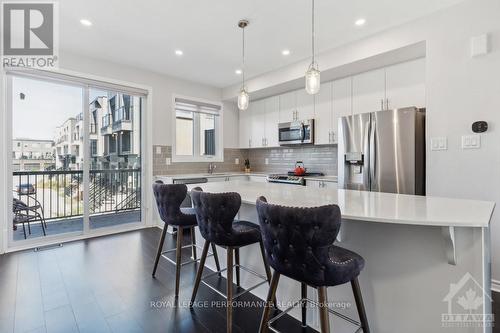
[460, 90]
[163, 88]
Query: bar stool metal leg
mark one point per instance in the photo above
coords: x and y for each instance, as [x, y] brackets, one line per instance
[229, 304]
[271, 294]
[323, 310]
[237, 260]
[193, 244]
[216, 258]
[200, 272]
[360, 305]
[178, 253]
[303, 296]
[160, 248]
[266, 264]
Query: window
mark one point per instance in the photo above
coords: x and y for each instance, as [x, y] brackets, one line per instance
[198, 134]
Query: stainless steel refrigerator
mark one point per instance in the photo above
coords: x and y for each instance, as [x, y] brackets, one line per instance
[383, 151]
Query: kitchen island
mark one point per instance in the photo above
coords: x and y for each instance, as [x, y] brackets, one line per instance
[422, 254]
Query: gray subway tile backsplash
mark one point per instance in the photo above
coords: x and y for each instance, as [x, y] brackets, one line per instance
[280, 160]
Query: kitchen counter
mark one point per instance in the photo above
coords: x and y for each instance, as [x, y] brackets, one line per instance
[418, 251]
[213, 175]
[367, 206]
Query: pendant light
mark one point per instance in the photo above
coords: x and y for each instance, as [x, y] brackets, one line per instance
[313, 73]
[243, 98]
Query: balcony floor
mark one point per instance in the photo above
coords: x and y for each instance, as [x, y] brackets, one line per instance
[75, 224]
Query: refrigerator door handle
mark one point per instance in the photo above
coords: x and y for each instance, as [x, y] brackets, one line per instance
[373, 156]
[366, 159]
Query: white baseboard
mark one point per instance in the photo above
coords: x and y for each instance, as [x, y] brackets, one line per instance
[495, 285]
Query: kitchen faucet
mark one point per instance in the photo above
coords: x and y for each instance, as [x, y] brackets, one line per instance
[211, 167]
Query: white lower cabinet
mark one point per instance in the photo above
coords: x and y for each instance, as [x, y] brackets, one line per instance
[321, 184]
[259, 179]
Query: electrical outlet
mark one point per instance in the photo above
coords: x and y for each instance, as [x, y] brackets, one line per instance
[266, 161]
[158, 150]
[236, 161]
[439, 143]
[168, 161]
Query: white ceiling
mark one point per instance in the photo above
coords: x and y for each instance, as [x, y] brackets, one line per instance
[145, 33]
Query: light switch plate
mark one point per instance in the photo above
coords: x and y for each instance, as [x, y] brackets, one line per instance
[439, 143]
[158, 150]
[236, 161]
[471, 141]
[480, 45]
[266, 161]
[168, 161]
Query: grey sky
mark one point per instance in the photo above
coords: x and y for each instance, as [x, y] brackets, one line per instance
[46, 106]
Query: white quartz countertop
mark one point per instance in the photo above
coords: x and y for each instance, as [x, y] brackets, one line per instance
[366, 206]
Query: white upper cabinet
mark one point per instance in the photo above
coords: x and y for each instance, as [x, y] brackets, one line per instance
[272, 119]
[258, 123]
[245, 128]
[342, 102]
[305, 105]
[288, 107]
[406, 84]
[368, 91]
[323, 120]
[397, 86]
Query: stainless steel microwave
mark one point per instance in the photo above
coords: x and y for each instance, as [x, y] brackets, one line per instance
[297, 132]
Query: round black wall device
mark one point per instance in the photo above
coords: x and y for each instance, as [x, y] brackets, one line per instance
[479, 127]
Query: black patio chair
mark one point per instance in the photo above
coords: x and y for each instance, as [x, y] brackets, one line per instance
[24, 214]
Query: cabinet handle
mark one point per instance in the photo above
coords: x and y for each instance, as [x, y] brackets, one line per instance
[387, 104]
[382, 104]
[249, 143]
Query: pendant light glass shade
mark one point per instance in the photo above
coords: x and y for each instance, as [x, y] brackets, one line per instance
[243, 100]
[313, 81]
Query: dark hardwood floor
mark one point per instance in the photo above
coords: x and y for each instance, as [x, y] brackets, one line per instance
[105, 285]
[496, 309]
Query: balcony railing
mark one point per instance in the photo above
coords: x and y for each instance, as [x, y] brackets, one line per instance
[61, 196]
[106, 120]
[123, 114]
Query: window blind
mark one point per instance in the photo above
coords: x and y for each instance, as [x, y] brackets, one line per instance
[186, 105]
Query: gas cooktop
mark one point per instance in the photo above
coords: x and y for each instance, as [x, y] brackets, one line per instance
[290, 178]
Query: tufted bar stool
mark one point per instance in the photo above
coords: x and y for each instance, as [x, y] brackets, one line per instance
[299, 245]
[216, 213]
[169, 198]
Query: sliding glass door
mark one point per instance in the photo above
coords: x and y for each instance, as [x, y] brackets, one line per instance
[115, 158]
[76, 158]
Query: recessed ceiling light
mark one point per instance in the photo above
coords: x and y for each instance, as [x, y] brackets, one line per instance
[285, 52]
[360, 22]
[179, 52]
[86, 22]
[238, 72]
